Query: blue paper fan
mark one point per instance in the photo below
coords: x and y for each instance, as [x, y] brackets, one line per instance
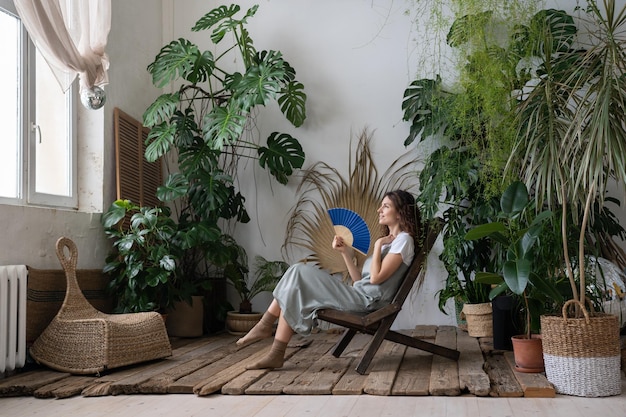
[351, 227]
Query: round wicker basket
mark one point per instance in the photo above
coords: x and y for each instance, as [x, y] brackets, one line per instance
[239, 324]
[479, 319]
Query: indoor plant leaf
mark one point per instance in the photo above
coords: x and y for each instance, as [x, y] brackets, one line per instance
[516, 274]
[180, 59]
[292, 101]
[282, 155]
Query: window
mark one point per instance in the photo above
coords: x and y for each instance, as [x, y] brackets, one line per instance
[37, 164]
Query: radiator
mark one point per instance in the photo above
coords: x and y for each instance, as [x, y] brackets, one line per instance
[12, 317]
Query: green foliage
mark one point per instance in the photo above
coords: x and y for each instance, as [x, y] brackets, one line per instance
[267, 275]
[143, 265]
[571, 118]
[205, 120]
[203, 123]
[521, 259]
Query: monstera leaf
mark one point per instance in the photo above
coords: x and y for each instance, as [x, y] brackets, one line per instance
[282, 155]
[181, 59]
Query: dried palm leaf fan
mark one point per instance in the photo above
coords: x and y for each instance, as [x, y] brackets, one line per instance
[322, 188]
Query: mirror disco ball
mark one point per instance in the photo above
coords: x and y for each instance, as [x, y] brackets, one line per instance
[93, 98]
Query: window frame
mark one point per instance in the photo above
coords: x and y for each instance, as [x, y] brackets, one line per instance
[27, 160]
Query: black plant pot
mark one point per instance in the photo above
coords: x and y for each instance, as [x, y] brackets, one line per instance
[504, 323]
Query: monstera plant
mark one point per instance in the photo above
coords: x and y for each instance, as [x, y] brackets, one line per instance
[205, 124]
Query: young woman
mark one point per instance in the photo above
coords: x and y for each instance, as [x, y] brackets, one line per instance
[304, 288]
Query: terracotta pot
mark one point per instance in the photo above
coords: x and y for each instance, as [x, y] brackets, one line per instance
[239, 324]
[528, 353]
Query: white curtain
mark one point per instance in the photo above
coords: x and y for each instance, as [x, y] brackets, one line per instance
[71, 36]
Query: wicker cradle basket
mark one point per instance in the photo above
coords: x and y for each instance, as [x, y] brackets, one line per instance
[83, 340]
[582, 355]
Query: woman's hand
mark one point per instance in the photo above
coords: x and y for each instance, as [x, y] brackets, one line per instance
[347, 253]
[340, 246]
[385, 240]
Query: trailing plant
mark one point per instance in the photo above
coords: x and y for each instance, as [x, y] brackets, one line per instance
[473, 123]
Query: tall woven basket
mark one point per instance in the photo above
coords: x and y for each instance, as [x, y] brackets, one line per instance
[582, 355]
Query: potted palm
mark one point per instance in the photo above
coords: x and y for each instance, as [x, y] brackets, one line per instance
[526, 268]
[571, 121]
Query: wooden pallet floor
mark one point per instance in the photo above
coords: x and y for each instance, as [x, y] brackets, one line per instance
[215, 365]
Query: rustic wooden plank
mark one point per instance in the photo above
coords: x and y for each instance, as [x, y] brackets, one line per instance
[413, 376]
[217, 381]
[26, 383]
[472, 376]
[503, 382]
[320, 377]
[425, 331]
[229, 355]
[274, 382]
[239, 384]
[534, 385]
[352, 382]
[444, 373]
[384, 369]
[131, 384]
[64, 388]
[102, 386]
[187, 363]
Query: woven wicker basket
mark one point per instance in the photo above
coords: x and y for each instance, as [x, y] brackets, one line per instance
[479, 319]
[582, 355]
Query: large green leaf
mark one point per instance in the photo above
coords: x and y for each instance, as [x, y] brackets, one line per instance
[115, 213]
[176, 186]
[292, 101]
[423, 106]
[215, 16]
[161, 110]
[181, 58]
[261, 82]
[514, 199]
[160, 140]
[223, 125]
[484, 230]
[209, 191]
[551, 31]
[282, 155]
[516, 274]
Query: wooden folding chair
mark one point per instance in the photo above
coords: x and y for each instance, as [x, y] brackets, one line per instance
[378, 323]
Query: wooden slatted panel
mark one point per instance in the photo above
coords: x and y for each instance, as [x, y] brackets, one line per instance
[137, 179]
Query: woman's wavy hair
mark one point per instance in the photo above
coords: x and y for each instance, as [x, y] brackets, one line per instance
[410, 217]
